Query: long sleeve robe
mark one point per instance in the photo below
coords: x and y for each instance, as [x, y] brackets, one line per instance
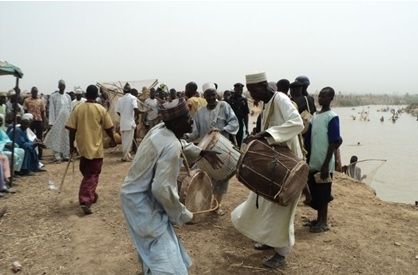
[150, 201]
[222, 118]
[271, 223]
[30, 160]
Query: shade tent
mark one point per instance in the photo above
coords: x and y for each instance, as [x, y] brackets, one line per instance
[9, 69]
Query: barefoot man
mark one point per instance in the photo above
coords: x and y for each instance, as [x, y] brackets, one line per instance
[149, 195]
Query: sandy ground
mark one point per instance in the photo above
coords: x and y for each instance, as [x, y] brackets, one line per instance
[46, 232]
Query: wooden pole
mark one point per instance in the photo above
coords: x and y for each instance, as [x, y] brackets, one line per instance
[15, 105]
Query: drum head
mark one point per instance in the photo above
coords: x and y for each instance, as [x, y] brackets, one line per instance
[208, 141]
[198, 196]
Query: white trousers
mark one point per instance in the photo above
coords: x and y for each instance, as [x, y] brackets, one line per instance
[127, 139]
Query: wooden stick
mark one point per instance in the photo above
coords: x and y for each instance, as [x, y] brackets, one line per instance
[65, 173]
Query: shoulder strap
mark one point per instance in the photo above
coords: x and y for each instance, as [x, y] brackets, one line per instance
[270, 109]
[307, 104]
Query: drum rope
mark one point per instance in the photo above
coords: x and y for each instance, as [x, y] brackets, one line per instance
[208, 210]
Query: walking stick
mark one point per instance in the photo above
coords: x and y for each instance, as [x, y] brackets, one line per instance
[65, 173]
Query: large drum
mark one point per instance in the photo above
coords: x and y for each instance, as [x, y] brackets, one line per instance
[228, 154]
[273, 172]
[195, 192]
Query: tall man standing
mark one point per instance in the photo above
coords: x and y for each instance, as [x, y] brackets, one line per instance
[217, 115]
[35, 106]
[127, 109]
[240, 106]
[149, 194]
[59, 112]
[270, 224]
[86, 125]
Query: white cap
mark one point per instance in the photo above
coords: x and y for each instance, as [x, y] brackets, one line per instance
[255, 78]
[207, 86]
[27, 116]
[78, 91]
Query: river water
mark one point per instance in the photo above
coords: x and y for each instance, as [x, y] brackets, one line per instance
[397, 179]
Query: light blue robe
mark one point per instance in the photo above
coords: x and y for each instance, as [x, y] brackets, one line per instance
[19, 153]
[150, 202]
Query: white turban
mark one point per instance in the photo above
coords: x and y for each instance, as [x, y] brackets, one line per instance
[61, 82]
[207, 86]
[27, 116]
[255, 78]
[12, 92]
[78, 91]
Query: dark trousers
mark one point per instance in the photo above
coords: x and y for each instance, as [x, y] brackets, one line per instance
[240, 133]
[90, 169]
[38, 128]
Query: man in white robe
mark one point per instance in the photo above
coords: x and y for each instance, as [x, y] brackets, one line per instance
[216, 115]
[271, 225]
[59, 111]
[127, 109]
[149, 194]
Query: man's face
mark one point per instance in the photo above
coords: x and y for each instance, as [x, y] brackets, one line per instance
[61, 87]
[185, 124]
[2, 100]
[256, 91]
[78, 96]
[25, 123]
[238, 90]
[324, 99]
[210, 96]
[34, 93]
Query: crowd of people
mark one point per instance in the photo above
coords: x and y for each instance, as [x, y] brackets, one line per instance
[174, 122]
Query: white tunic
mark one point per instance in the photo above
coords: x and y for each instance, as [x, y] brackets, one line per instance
[271, 223]
[125, 107]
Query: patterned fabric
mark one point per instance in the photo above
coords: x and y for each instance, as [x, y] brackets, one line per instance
[90, 169]
[35, 107]
[173, 110]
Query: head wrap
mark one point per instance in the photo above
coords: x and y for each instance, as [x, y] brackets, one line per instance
[172, 110]
[78, 91]
[255, 78]
[27, 116]
[238, 85]
[61, 82]
[304, 80]
[12, 92]
[207, 86]
[3, 94]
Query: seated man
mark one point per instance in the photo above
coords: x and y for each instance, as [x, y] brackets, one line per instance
[31, 160]
[352, 170]
[6, 147]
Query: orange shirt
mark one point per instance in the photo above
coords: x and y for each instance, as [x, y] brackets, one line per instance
[35, 107]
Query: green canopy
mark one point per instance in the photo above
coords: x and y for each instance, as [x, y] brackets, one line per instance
[9, 69]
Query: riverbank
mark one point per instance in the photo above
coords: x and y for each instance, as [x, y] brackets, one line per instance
[47, 233]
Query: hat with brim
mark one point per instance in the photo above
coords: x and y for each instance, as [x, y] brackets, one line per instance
[255, 78]
[172, 110]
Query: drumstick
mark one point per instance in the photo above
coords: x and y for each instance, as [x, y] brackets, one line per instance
[187, 164]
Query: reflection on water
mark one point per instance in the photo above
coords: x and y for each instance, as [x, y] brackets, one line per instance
[397, 142]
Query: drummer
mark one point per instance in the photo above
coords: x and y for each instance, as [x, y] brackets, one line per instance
[219, 116]
[149, 194]
[268, 223]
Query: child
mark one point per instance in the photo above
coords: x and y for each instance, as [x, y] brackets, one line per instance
[321, 140]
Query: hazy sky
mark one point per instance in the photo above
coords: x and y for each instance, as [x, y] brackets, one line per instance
[354, 47]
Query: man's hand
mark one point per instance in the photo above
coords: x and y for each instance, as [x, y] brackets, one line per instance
[324, 172]
[213, 158]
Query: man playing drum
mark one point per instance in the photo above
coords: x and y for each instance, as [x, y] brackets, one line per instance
[218, 116]
[270, 224]
[149, 194]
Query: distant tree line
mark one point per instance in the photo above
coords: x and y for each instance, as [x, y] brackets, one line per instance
[349, 100]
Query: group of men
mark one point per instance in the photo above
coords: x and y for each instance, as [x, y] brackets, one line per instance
[149, 195]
